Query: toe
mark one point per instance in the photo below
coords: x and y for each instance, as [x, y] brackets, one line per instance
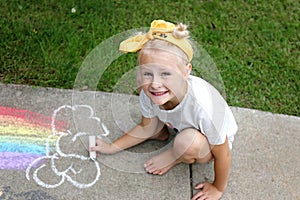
[151, 169]
[148, 163]
[161, 173]
[156, 172]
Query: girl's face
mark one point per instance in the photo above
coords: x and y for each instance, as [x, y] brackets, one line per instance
[163, 79]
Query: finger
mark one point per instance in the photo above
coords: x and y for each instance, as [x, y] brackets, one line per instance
[202, 198]
[198, 195]
[98, 141]
[93, 149]
[199, 186]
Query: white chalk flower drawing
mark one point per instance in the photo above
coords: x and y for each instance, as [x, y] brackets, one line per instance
[53, 157]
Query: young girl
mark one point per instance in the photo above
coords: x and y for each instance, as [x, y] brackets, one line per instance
[170, 96]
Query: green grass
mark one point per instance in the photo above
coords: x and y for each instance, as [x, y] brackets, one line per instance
[255, 44]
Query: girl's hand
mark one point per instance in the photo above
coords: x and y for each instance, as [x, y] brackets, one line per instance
[102, 147]
[208, 192]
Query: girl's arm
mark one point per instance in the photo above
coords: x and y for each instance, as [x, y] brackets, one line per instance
[222, 160]
[141, 132]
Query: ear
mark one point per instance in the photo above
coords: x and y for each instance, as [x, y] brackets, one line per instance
[188, 69]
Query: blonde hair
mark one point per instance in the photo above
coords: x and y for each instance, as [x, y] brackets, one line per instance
[180, 32]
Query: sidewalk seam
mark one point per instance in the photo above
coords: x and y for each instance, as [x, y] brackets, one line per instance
[191, 180]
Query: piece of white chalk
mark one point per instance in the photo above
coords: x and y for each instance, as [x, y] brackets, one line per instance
[92, 143]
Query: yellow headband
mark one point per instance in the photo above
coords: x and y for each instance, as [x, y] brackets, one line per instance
[161, 30]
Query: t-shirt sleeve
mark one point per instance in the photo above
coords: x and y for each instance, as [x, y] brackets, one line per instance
[217, 127]
[216, 120]
[146, 106]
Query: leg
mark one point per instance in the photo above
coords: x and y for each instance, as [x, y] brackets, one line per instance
[189, 146]
[162, 135]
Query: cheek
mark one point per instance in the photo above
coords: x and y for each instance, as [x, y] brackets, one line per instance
[173, 85]
[178, 79]
[146, 81]
[176, 84]
[141, 81]
[145, 84]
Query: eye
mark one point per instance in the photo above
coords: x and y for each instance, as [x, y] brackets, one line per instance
[165, 74]
[147, 74]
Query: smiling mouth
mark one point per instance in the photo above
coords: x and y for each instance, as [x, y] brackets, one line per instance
[159, 93]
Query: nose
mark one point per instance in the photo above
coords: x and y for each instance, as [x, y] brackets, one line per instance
[156, 82]
[155, 85]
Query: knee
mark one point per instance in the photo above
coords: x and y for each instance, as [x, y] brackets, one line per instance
[189, 142]
[191, 145]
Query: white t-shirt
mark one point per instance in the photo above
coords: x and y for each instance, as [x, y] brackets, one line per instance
[202, 108]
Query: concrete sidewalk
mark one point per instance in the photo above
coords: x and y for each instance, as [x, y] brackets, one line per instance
[265, 160]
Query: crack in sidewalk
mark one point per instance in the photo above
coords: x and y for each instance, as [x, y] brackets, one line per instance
[191, 179]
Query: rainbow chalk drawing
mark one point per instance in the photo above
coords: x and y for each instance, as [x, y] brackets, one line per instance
[22, 134]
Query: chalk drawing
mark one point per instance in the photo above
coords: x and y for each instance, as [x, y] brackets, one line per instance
[59, 154]
[22, 136]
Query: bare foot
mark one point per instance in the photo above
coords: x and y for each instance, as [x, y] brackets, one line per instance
[161, 163]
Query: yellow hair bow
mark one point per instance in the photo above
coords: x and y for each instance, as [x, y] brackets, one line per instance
[159, 29]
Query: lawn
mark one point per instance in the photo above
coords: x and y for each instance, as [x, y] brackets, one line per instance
[254, 44]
